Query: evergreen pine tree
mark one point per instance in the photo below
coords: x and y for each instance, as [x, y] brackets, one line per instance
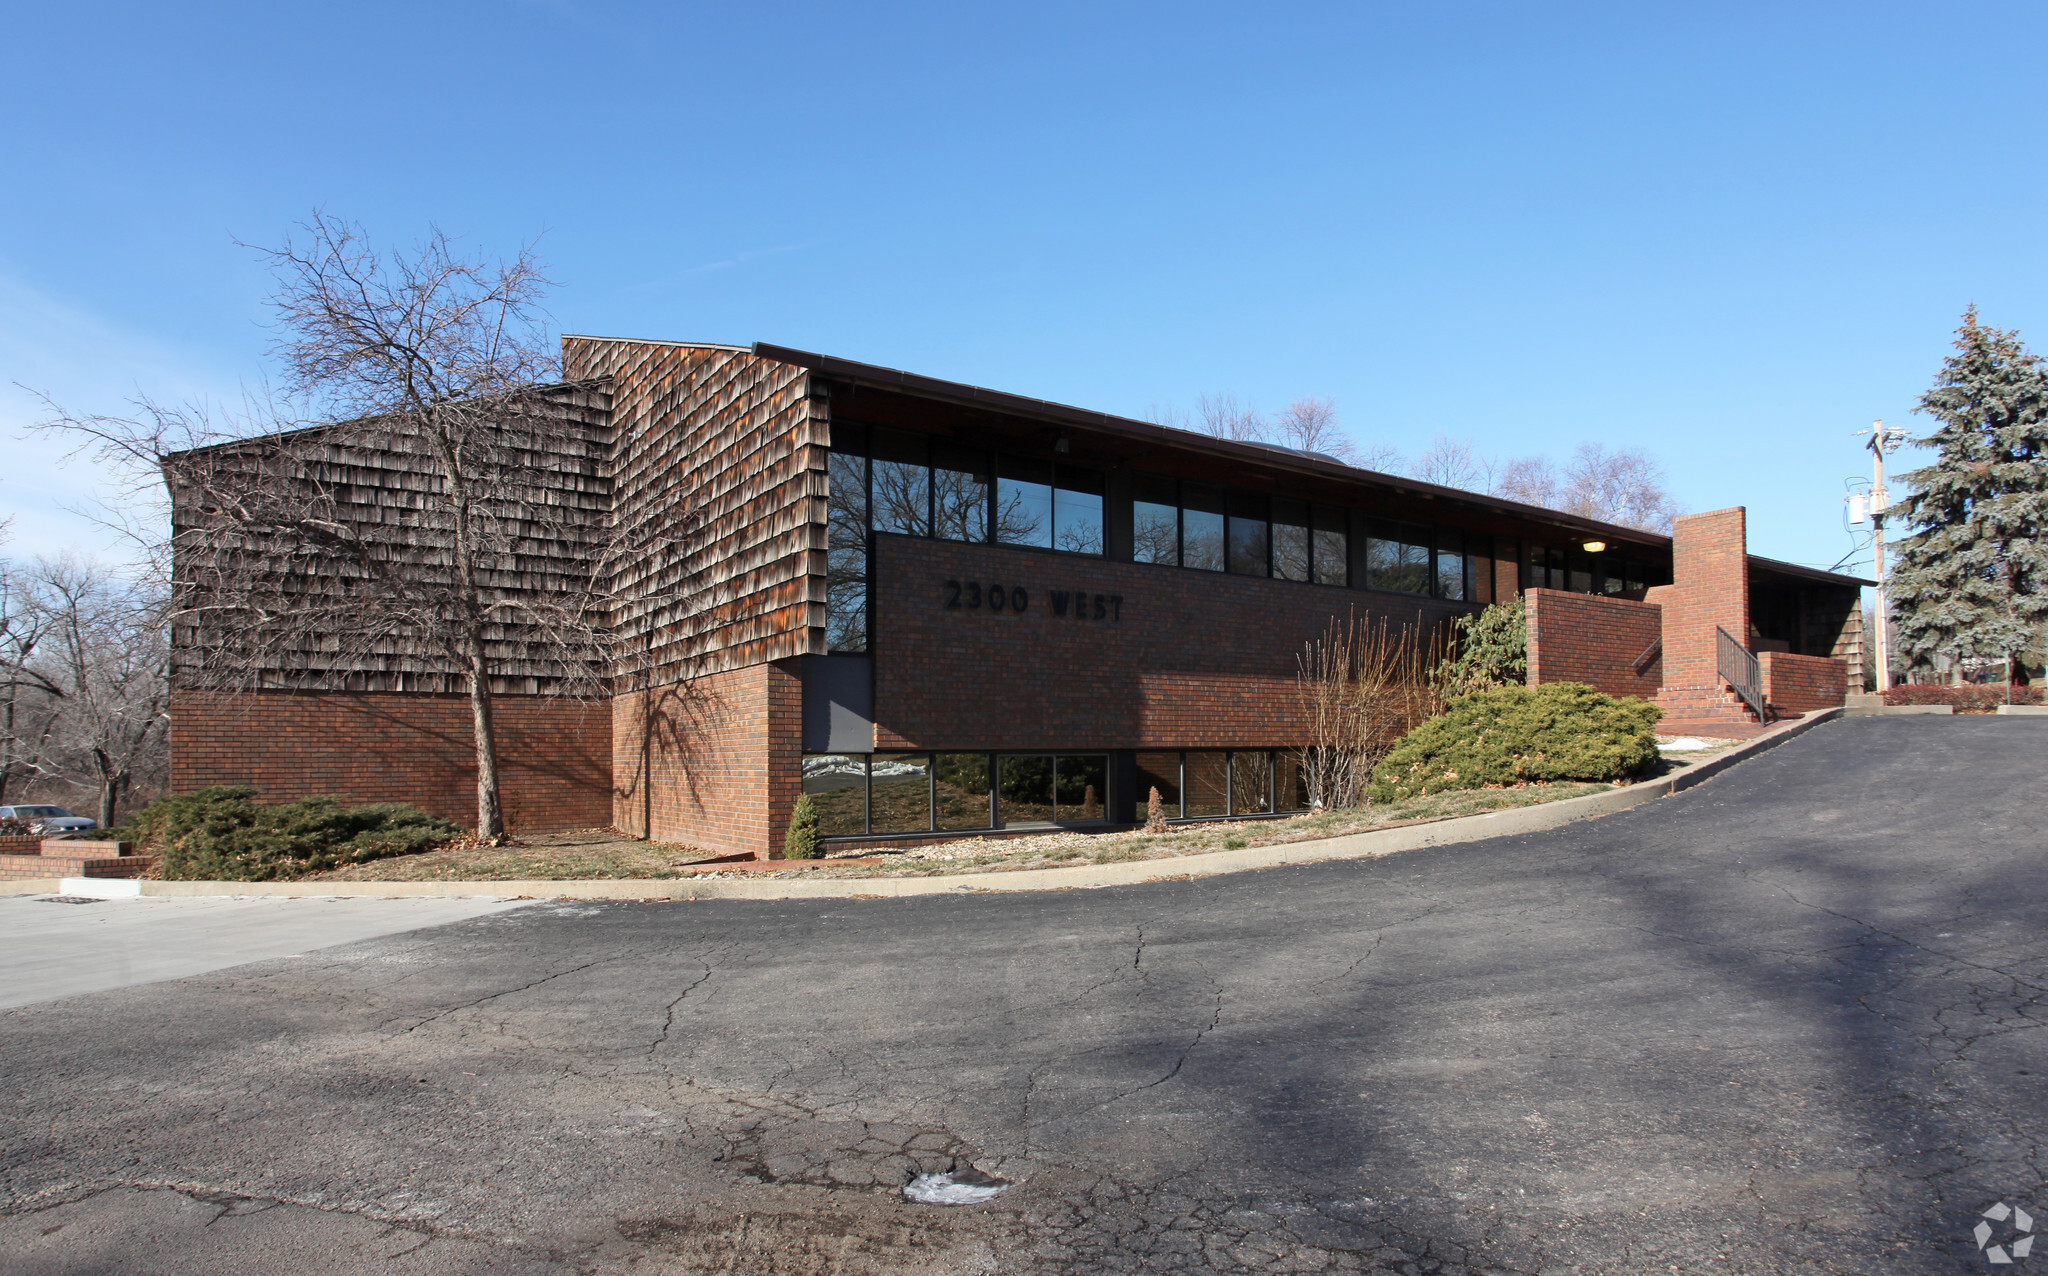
[801, 842]
[1972, 578]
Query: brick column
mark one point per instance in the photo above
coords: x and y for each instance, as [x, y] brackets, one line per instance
[1710, 589]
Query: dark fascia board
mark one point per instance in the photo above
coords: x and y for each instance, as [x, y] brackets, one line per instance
[1255, 453]
[1803, 572]
[1227, 449]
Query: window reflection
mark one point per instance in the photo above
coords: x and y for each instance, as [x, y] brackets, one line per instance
[1081, 787]
[1155, 521]
[959, 494]
[962, 796]
[1332, 547]
[1024, 794]
[1251, 783]
[1248, 536]
[1397, 558]
[1290, 540]
[1077, 511]
[1159, 771]
[846, 555]
[901, 484]
[1024, 502]
[1289, 785]
[1201, 529]
[1207, 782]
[899, 793]
[1450, 565]
[838, 787]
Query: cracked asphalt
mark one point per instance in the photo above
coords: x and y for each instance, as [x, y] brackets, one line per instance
[1786, 1021]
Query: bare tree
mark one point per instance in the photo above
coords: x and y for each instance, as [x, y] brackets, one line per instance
[1227, 418]
[1625, 486]
[99, 676]
[1532, 480]
[445, 526]
[1311, 424]
[1383, 458]
[28, 713]
[1450, 462]
[1361, 687]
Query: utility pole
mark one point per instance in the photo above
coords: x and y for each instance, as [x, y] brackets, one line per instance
[1881, 440]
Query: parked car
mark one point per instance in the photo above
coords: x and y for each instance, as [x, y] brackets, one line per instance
[48, 819]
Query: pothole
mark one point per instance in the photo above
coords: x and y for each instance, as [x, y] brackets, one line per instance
[967, 1186]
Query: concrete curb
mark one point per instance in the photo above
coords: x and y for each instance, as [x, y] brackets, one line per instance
[1369, 845]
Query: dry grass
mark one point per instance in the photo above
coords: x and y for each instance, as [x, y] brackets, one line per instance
[584, 853]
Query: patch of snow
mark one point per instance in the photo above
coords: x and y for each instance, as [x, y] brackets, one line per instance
[1686, 744]
[956, 1187]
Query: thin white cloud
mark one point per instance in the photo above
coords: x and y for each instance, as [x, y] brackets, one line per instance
[90, 364]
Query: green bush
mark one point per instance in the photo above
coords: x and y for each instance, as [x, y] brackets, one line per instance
[224, 834]
[801, 842]
[1493, 651]
[1521, 735]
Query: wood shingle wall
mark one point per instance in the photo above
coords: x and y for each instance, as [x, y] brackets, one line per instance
[730, 446]
[546, 485]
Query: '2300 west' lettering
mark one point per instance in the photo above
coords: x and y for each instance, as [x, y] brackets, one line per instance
[972, 595]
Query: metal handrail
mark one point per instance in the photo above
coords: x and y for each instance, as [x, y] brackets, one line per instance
[1741, 670]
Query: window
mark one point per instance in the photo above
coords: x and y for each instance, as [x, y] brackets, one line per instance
[1290, 540]
[1024, 502]
[1332, 547]
[846, 554]
[1290, 787]
[838, 787]
[1451, 568]
[1080, 787]
[1159, 771]
[1248, 536]
[1077, 511]
[1155, 521]
[901, 493]
[1206, 777]
[1201, 529]
[1024, 795]
[1251, 783]
[960, 791]
[959, 493]
[899, 793]
[1397, 558]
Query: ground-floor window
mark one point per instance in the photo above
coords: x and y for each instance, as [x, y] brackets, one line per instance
[1213, 783]
[860, 794]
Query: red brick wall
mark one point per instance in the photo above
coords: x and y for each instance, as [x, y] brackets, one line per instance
[715, 763]
[1192, 660]
[1593, 639]
[1801, 683]
[553, 755]
[1710, 587]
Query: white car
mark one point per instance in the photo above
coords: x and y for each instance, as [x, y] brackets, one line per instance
[48, 819]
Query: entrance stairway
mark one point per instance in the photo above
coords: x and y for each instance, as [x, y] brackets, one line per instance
[1713, 712]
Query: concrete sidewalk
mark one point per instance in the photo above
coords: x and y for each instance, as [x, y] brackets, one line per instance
[51, 948]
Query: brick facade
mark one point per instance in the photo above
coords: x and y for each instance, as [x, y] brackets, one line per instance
[1803, 683]
[1184, 660]
[553, 755]
[715, 763]
[1596, 640]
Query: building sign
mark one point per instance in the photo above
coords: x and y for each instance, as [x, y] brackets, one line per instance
[1015, 600]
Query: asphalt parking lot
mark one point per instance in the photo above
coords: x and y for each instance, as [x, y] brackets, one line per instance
[1786, 1021]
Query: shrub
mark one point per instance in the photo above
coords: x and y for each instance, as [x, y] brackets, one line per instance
[1493, 651]
[224, 834]
[1521, 735]
[801, 842]
[1968, 697]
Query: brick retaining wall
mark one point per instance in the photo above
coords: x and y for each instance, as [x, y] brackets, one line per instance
[1592, 639]
[1803, 683]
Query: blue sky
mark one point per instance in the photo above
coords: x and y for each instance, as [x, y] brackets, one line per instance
[1732, 235]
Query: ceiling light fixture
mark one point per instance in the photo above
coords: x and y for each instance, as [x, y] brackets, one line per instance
[1594, 547]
